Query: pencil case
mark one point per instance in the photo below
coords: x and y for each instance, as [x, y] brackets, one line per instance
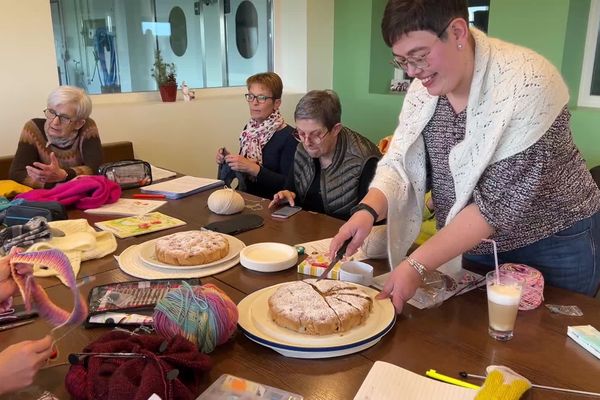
[20, 214]
[128, 173]
[129, 303]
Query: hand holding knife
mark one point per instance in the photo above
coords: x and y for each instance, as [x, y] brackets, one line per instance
[338, 256]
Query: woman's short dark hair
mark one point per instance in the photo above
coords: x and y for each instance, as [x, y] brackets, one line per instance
[270, 80]
[321, 105]
[403, 16]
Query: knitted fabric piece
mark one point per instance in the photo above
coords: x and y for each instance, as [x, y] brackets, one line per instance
[84, 192]
[138, 378]
[503, 384]
[34, 295]
[515, 97]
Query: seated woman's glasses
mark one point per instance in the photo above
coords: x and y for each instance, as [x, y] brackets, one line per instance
[260, 98]
[51, 114]
[314, 138]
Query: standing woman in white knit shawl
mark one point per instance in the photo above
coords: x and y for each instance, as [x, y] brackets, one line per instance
[485, 127]
[267, 146]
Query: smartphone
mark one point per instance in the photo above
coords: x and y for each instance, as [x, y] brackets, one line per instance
[286, 212]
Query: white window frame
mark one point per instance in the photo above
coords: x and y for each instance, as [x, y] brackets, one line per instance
[585, 98]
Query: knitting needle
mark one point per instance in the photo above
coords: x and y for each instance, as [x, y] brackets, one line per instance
[75, 358]
[464, 374]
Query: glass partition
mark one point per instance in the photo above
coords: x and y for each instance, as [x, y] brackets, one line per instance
[108, 46]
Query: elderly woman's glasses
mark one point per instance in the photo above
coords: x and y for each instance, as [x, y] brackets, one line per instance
[417, 62]
[51, 114]
[314, 138]
[260, 98]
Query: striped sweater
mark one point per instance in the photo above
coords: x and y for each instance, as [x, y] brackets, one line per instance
[83, 157]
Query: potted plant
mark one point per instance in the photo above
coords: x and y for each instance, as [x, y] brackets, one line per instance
[165, 75]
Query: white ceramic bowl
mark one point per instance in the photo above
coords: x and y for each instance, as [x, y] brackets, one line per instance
[268, 257]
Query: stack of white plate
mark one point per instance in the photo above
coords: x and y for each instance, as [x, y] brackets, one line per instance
[269, 257]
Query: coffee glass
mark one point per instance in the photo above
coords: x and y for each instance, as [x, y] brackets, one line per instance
[504, 294]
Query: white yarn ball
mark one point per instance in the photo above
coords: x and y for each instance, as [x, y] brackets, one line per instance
[375, 245]
[225, 201]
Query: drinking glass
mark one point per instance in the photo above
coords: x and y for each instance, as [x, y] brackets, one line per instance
[504, 294]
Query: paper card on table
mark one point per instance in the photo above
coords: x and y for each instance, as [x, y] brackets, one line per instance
[322, 247]
[139, 224]
[127, 207]
[386, 381]
[182, 187]
[158, 174]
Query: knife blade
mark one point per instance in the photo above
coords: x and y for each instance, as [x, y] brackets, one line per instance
[338, 256]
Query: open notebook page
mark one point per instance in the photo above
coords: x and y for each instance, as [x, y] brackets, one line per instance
[387, 381]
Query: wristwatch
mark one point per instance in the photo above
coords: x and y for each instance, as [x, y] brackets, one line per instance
[366, 207]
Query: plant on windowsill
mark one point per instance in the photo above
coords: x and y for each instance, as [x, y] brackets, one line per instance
[165, 76]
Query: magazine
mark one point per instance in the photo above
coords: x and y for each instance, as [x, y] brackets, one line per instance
[139, 224]
[128, 207]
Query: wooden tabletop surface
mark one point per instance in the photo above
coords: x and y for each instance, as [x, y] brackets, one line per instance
[450, 338]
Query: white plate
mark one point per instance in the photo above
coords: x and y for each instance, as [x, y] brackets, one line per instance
[131, 263]
[148, 255]
[255, 322]
[268, 257]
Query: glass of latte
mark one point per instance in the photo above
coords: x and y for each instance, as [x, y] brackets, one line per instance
[503, 293]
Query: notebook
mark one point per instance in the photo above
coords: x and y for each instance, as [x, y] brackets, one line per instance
[387, 381]
[127, 207]
[182, 187]
[587, 337]
[139, 224]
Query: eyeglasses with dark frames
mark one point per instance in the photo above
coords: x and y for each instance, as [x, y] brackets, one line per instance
[260, 98]
[51, 114]
[418, 62]
[316, 139]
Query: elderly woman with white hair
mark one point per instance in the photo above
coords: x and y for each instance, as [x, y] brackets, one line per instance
[60, 147]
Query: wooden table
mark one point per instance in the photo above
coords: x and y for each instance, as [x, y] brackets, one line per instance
[450, 338]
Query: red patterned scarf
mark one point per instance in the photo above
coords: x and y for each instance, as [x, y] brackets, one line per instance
[256, 135]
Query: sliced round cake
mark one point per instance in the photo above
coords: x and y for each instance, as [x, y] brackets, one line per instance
[319, 308]
[191, 248]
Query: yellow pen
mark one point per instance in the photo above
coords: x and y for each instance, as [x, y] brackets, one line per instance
[433, 374]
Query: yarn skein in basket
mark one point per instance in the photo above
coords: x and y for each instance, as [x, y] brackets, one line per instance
[225, 202]
[204, 315]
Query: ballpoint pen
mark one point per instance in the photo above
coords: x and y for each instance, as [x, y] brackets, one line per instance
[148, 196]
[432, 373]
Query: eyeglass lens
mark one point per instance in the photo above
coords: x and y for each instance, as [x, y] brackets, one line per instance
[51, 114]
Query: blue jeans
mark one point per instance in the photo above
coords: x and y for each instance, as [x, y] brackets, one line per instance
[569, 259]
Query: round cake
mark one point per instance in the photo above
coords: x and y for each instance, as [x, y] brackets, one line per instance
[319, 308]
[191, 248]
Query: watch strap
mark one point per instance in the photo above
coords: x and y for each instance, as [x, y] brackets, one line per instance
[366, 207]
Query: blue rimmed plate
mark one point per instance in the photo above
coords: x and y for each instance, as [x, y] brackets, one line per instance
[258, 326]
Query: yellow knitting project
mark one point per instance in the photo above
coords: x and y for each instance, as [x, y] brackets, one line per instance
[495, 387]
[10, 189]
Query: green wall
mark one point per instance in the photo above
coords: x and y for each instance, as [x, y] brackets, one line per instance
[554, 28]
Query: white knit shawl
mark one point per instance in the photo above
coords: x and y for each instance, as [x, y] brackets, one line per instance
[515, 96]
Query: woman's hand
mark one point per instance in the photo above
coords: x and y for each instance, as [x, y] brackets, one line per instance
[401, 285]
[20, 362]
[358, 228]
[8, 287]
[281, 197]
[46, 173]
[221, 153]
[242, 164]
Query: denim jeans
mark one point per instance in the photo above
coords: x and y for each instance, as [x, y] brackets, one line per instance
[569, 259]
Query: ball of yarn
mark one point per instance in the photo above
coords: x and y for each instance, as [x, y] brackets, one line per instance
[533, 290]
[204, 315]
[225, 201]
